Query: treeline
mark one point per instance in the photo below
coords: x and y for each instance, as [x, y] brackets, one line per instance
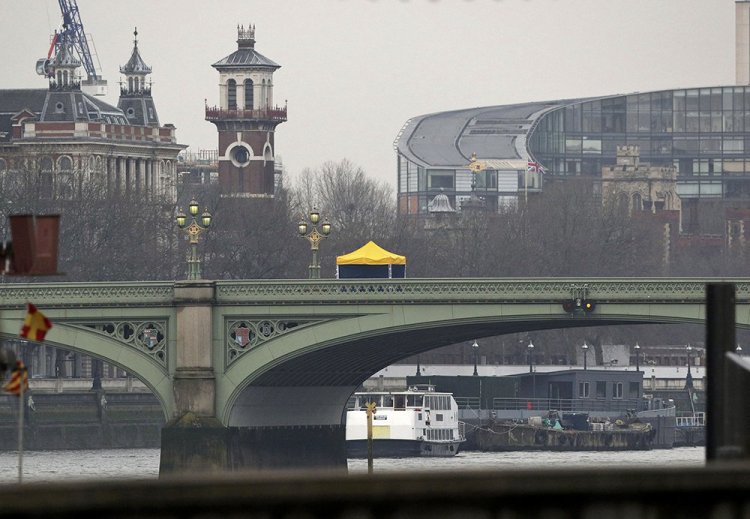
[567, 231]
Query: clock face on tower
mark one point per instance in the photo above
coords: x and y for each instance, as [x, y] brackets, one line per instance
[240, 156]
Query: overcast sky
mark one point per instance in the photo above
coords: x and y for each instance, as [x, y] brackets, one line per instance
[354, 71]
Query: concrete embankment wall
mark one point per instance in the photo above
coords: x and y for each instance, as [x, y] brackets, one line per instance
[86, 420]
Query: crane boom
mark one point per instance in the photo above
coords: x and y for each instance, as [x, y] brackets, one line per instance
[73, 33]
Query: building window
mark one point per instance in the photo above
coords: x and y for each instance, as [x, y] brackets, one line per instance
[583, 390]
[232, 94]
[601, 389]
[617, 390]
[440, 181]
[248, 94]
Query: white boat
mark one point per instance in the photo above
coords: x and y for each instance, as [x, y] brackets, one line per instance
[415, 422]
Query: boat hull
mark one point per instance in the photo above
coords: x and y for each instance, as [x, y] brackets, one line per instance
[389, 448]
[517, 437]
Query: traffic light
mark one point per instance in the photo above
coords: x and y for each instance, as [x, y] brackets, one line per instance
[574, 305]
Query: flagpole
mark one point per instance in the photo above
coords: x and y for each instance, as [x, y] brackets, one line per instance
[20, 431]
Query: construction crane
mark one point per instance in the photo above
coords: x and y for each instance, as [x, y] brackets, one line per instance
[72, 34]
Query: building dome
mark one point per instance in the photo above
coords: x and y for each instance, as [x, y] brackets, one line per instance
[440, 204]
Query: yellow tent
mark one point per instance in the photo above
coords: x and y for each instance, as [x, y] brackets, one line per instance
[371, 261]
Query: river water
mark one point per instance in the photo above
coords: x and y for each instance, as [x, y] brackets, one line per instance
[51, 466]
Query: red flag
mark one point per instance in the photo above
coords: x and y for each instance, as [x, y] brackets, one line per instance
[19, 376]
[35, 325]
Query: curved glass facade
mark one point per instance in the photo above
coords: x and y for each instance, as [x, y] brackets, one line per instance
[703, 132]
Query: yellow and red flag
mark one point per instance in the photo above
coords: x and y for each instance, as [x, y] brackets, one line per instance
[35, 325]
[18, 378]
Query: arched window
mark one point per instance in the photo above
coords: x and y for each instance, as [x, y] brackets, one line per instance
[64, 177]
[130, 84]
[45, 165]
[248, 94]
[232, 94]
[637, 202]
[65, 164]
[45, 178]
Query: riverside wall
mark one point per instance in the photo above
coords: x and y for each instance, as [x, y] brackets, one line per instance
[82, 420]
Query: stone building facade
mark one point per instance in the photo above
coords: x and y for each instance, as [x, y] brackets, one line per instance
[61, 137]
[641, 186]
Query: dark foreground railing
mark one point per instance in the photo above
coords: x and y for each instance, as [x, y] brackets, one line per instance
[687, 492]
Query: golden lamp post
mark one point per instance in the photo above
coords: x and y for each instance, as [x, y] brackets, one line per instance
[314, 236]
[196, 227]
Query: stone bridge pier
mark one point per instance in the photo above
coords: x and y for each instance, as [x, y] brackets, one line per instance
[269, 427]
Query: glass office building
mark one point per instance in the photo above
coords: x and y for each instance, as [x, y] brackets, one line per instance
[703, 132]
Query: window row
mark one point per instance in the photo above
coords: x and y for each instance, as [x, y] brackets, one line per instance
[601, 390]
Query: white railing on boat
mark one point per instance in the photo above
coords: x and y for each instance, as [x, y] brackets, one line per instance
[696, 420]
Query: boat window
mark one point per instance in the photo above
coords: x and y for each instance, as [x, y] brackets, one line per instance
[387, 401]
[365, 399]
[617, 390]
[601, 389]
[414, 400]
[399, 401]
[439, 417]
[419, 416]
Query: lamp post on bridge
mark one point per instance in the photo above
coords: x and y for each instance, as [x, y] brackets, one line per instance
[196, 227]
[314, 236]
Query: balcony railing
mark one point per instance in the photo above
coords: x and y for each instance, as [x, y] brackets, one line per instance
[569, 404]
[277, 113]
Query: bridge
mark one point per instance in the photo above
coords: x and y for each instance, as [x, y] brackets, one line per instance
[257, 373]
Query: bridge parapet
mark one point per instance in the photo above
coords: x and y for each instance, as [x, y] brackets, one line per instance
[101, 294]
[445, 290]
[466, 290]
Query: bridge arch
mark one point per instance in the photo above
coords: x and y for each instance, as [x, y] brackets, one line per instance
[310, 373]
[94, 344]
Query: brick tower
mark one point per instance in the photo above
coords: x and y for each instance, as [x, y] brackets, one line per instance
[246, 119]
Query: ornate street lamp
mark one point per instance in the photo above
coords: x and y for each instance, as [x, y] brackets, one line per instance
[475, 348]
[585, 349]
[314, 236]
[198, 224]
[637, 349]
[530, 347]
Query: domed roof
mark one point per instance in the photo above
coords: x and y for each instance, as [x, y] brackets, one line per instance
[440, 204]
[135, 64]
[245, 55]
